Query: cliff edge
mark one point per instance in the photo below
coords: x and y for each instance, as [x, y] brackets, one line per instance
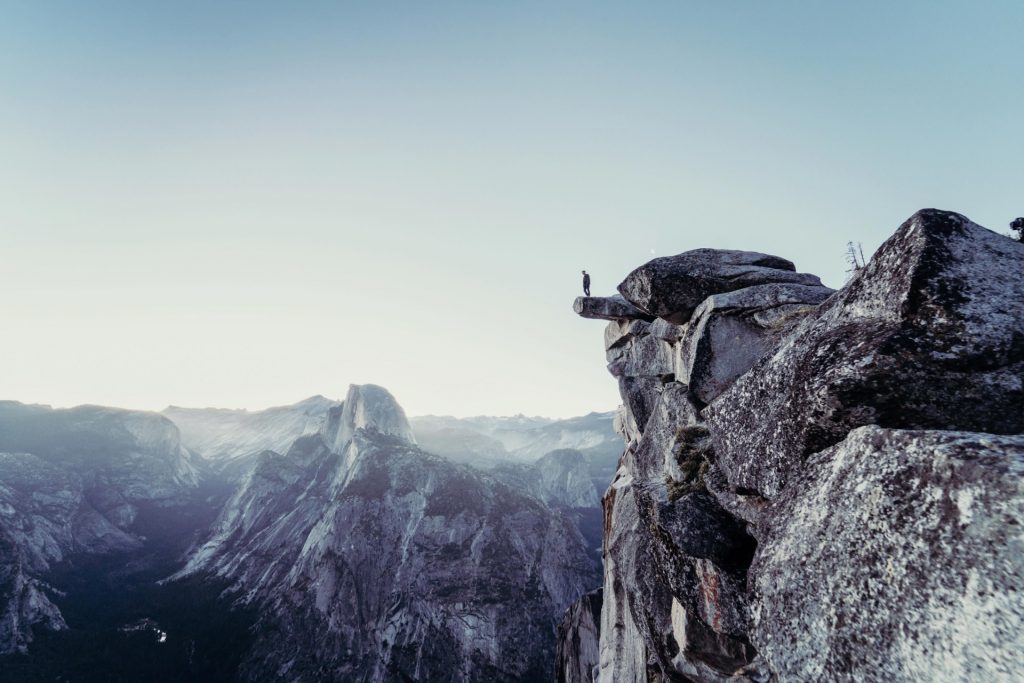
[816, 485]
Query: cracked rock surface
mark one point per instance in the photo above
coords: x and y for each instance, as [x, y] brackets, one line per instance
[819, 485]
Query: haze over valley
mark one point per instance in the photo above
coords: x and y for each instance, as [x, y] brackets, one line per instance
[156, 545]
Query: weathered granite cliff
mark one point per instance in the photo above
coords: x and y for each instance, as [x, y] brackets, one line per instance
[368, 559]
[816, 485]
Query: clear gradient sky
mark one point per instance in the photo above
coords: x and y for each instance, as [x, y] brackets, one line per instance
[240, 204]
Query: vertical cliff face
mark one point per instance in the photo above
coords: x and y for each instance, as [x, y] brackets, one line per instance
[578, 640]
[817, 485]
[368, 559]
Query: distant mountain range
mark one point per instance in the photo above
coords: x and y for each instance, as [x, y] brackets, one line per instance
[324, 540]
[231, 439]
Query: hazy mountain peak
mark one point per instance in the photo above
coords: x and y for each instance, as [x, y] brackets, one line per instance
[369, 407]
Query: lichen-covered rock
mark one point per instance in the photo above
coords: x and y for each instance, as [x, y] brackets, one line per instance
[639, 396]
[704, 654]
[608, 308]
[897, 556]
[577, 641]
[671, 287]
[701, 550]
[929, 335]
[620, 332]
[665, 532]
[730, 332]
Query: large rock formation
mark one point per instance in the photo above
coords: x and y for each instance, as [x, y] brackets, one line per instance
[930, 335]
[608, 308]
[897, 555]
[73, 481]
[671, 287]
[819, 486]
[369, 559]
[576, 658]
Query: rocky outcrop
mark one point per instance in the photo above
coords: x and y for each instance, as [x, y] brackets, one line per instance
[671, 287]
[817, 485]
[897, 555]
[608, 308]
[930, 335]
[369, 559]
[576, 657]
[25, 604]
[73, 481]
[730, 332]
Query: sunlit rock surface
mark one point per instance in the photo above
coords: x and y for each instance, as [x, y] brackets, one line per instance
[897, 555]
[819, 486]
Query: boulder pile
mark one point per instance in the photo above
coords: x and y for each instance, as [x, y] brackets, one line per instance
[816, 485]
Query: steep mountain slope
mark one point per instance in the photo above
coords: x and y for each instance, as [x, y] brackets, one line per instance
[369, 559]
[74, 482]
[227, 436]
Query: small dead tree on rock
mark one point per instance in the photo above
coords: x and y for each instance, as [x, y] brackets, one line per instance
[855, 258]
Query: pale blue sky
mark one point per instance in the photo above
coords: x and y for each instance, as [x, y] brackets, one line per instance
[244, 203]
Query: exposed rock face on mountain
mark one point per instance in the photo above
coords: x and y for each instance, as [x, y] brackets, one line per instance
[914, 570]
[226, 437]
[369, 559]
[608, 308]
[578, 637]
[72, 481]
[819, 486]
[671, 287]
[368, 408]
[936, 315]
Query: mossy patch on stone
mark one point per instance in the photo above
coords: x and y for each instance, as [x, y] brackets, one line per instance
[692, 452]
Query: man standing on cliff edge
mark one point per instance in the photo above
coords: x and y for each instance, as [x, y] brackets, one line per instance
[586, 284]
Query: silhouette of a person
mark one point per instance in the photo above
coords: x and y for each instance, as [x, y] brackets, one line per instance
[586, 283]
